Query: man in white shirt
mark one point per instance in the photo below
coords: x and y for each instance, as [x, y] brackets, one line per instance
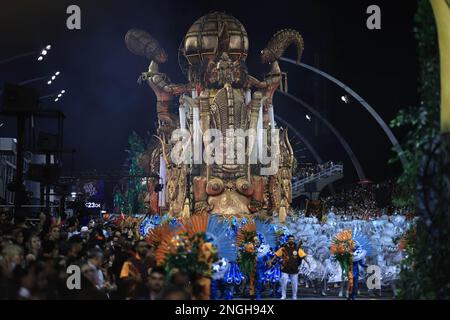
[95, 261]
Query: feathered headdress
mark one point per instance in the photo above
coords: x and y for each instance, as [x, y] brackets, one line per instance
[346, 242]
[363, 246]
[156, 235]
[217, 233]
[166, 240]
[265, 233]
[194, 225]
[342, 243]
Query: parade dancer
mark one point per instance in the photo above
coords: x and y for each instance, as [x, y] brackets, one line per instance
[363, 249]
[292, 256]
[218, 282]
[272, 276]
[342, 248]
[350, 248]
[344, 285]
[247, 255]
[358, 260]
[323, 268]
[273, 273]
[260, 266]
[233, 279]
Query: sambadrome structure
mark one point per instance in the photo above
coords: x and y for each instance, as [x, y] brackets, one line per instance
[219, 94]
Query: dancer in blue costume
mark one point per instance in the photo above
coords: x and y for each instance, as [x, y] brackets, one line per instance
[265, 243]
[262, 259]
[225, 271]
[233, 278]
[359, 255]
[362, 250]
[273, 272]
[218, 282]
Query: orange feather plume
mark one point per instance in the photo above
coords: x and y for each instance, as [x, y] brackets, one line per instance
[166, 246]
[156, 235]
[195, 224]
[342, 243]
[166, 240]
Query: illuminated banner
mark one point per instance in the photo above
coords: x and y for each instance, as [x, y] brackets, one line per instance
[94, 190]
[93, 194]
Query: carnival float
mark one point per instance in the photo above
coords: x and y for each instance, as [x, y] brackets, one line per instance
[220, 222]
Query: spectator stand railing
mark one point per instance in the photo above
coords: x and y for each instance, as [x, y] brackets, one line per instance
[330, 173]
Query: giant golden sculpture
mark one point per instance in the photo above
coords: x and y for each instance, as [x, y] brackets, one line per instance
[220, 94]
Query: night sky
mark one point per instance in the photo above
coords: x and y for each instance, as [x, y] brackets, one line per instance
[104, 104]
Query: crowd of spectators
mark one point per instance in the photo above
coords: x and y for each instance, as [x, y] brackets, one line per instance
[46, 259]
[361, 200]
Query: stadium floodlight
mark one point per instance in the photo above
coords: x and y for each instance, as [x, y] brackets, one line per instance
[59, 95]
[44, 52]
[345, 99]
[57, 73]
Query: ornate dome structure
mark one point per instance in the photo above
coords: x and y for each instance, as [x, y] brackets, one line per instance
[212, 33]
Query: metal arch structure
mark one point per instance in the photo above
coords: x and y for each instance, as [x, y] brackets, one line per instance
[305, 142]
[301, 137]
[364, 103]
[342, 141]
